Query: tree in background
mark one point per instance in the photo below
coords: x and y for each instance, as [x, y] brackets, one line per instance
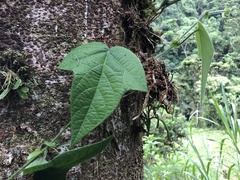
[36, 35]
[185, 65]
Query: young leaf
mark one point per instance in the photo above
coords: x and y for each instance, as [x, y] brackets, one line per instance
[205, 51]
[58, 167]
[102, 76]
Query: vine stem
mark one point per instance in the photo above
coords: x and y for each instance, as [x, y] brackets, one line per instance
[42, 150]
[182, 39]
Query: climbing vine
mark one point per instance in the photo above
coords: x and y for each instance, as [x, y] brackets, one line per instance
[101, 77]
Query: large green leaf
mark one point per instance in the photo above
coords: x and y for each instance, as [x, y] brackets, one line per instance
[101, 76]
[205, 51]
[58, 167]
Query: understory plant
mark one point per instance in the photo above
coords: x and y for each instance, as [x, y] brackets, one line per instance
[228, 114]
[219, 167]
[13, 75]
[180, 165]
[11, 81]
[225, 65]
[101, 77]
[204, 155]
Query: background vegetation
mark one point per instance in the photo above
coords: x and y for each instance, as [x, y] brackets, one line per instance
[225, 33]
[204, 153]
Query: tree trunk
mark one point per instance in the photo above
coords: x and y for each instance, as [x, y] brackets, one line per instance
[35, 36]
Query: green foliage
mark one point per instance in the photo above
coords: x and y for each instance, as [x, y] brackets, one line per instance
[231, 127]
[204, 47]
[176, 128]
[160, 147]
[101, 77]
[58, 167]
[229, 117]
[205, 51]
[225, 63]
[189, 85]
[11, 81]
[23, 92]
[197, 161]
[200, 165]
[224, 69]
[156, 164]
[13, 74]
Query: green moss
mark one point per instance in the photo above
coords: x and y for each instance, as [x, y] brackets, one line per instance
[13, 72]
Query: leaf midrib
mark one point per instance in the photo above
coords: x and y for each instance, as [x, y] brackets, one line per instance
[90, 105]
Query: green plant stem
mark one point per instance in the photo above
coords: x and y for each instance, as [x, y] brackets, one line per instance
[26, 164]
[194, 24]
[42, 150]
[172, 47]
[217, 12]
[164, 5]
[182, 39]
[63, 129]
[199, 19]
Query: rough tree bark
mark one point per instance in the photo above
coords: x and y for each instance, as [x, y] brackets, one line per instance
[35, 36]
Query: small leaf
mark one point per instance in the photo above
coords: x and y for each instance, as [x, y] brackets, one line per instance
[34, 154]
[58, 167]
[22, 95]
[102, 76]
[175, 44]
[4, 93]
[205, 51]
[24, 90]
[49, 144]
[226, 13]
[17, 84]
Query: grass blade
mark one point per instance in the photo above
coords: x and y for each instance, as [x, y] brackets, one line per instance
[229, 172]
